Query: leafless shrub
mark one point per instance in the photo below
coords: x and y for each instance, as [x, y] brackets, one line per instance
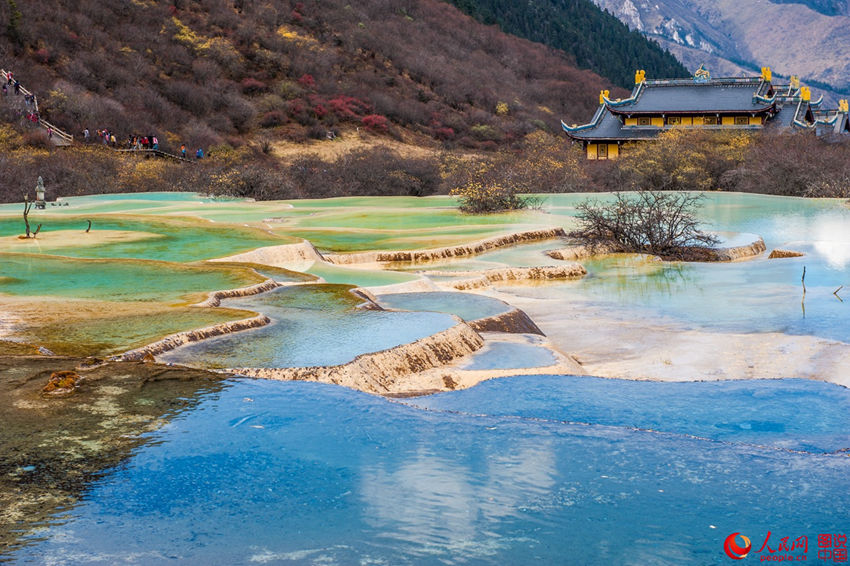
[653, 222]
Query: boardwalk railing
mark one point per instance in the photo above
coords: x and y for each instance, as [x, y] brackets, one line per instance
[156, 152]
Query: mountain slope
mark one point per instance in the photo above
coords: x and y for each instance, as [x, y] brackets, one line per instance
[596, 39]
[204, 72]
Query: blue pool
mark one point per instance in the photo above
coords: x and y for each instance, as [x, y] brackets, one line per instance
[526, 470]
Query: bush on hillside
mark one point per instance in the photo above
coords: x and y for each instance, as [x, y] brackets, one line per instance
[680, 159]
[476, 197]
[793, 164]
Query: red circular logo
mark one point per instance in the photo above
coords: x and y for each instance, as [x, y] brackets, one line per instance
[733, 550]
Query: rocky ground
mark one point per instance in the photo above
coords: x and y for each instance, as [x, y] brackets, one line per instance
[53, 447]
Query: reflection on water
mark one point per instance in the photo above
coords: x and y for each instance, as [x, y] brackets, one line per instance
[629, 276]
[305, 473]
[312, 325]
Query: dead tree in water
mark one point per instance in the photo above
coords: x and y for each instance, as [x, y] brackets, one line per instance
[27, 208]
[654, 222]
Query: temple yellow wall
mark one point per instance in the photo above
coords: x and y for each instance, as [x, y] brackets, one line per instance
[659, 122]
[593, 151]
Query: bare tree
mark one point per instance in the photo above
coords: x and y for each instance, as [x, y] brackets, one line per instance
[659, 223]
[27, 208]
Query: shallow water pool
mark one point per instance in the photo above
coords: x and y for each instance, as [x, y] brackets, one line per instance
[312, 325]
[465, 305]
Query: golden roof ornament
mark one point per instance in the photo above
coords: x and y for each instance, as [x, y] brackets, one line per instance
[702, 75]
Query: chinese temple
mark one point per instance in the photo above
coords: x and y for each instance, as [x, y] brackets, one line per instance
[739, 103]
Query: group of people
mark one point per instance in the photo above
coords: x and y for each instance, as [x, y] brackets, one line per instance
[12, 83]
[108, 138]
[29, 111]
[103, 136]
[142, 142]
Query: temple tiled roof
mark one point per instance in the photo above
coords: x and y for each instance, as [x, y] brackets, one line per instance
[688, 97]
[607, 126]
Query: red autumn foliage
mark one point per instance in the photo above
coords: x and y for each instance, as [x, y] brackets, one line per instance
[375, 123]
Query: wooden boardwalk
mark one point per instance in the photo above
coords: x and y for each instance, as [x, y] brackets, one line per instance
[61, 138]
[58, 137]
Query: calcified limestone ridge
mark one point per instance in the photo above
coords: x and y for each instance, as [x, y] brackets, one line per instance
[499, 274]
[514, 321]
[709, 254]
[215, 297]
[777, 254]
[738, 252]
[377, 372]
[277, 256]
[416, 256]
[181, 338]
[572, 253]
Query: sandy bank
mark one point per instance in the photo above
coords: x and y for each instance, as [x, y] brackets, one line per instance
[285, 255]
[474, 248]
[55, 240]
[608, 345]
[377, 372]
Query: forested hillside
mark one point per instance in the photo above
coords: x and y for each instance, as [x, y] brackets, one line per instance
[597, 40]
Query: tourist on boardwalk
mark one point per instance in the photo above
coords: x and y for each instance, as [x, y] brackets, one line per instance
[86, 135]
[155, 142]
[183, 151]
[9, 77]
[5, 90]
[199, 154]
[112, 140]
[17, 87]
